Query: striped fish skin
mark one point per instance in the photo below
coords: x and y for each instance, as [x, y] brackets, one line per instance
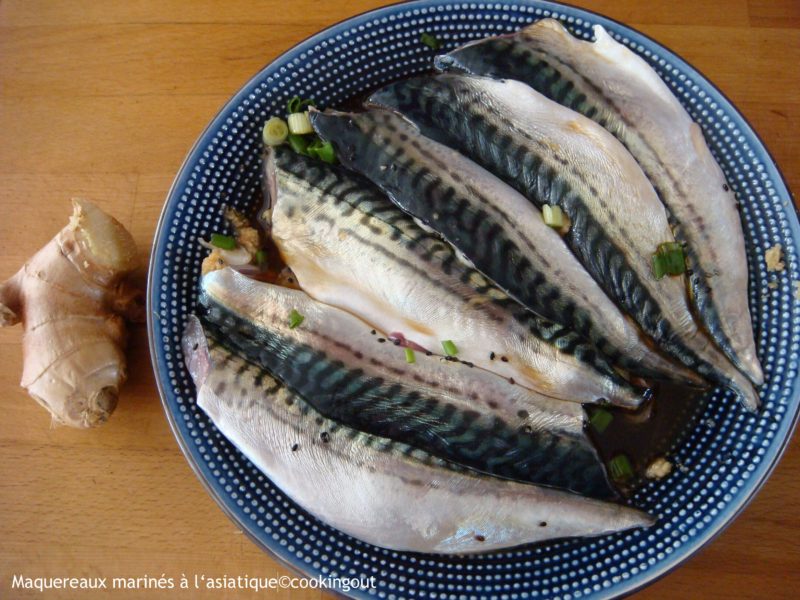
[383, 492]
[616, 88]
[554, 155]
[349, 246]
[494, 226]
[456, 412]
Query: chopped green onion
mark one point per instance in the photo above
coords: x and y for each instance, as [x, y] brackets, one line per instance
[326, 153]
[665, 247]
[600, 419]
[553, 216]
[430, 40]
[668, 260]
[275, 131]
[296, 105]
[226, 242]
[410, 358]
[449, 348]
[261, 258]
[620, 468]
[300, 124]
[659, 266]
[676, 263]
[322, 150]
[298, 143]
[295, 318]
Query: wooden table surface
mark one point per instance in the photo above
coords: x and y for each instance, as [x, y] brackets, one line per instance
[103, 100]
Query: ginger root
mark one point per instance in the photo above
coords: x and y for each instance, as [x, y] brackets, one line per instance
[71, 298]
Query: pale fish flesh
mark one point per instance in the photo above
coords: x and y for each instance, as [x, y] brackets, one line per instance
[351, 373]
[495, 227]
[349, 246]
[611, 85]
[380, 491]
[556, 156]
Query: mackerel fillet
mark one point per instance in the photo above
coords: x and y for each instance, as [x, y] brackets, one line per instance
[611, 85]
[351, 373]
[496, 228]
[555, 156]
[380, 491]
[349, 246]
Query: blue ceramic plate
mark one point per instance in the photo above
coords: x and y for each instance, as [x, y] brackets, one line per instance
[727, 455]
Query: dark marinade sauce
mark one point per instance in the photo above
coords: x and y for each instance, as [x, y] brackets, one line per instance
[650, 432]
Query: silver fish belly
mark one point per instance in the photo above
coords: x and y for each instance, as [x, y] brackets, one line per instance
[494, 226]
[349, 372]
[608, 83]
[554, 155]
[350, 247]
[383, 492]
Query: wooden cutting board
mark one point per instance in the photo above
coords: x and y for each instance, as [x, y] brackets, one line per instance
[103, 100]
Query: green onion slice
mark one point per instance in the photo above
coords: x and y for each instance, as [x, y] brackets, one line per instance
[326, 153]
[275, 131]
[298, 143]
[676, 263]
[449, 348]
[620, 468]
[295, 318]
[226, 242]
[430, 40]
[322, 150]
[300, 124]
[668, 260]
[659, 266]
[296, 105]
[553, 216]
[600, 419]
[261, 258]
[410, 358]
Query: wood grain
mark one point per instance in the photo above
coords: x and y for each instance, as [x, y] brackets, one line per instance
[103, 100]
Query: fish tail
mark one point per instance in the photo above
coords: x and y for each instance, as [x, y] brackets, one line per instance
[703, 300]
[195, 351]
[745, 391]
